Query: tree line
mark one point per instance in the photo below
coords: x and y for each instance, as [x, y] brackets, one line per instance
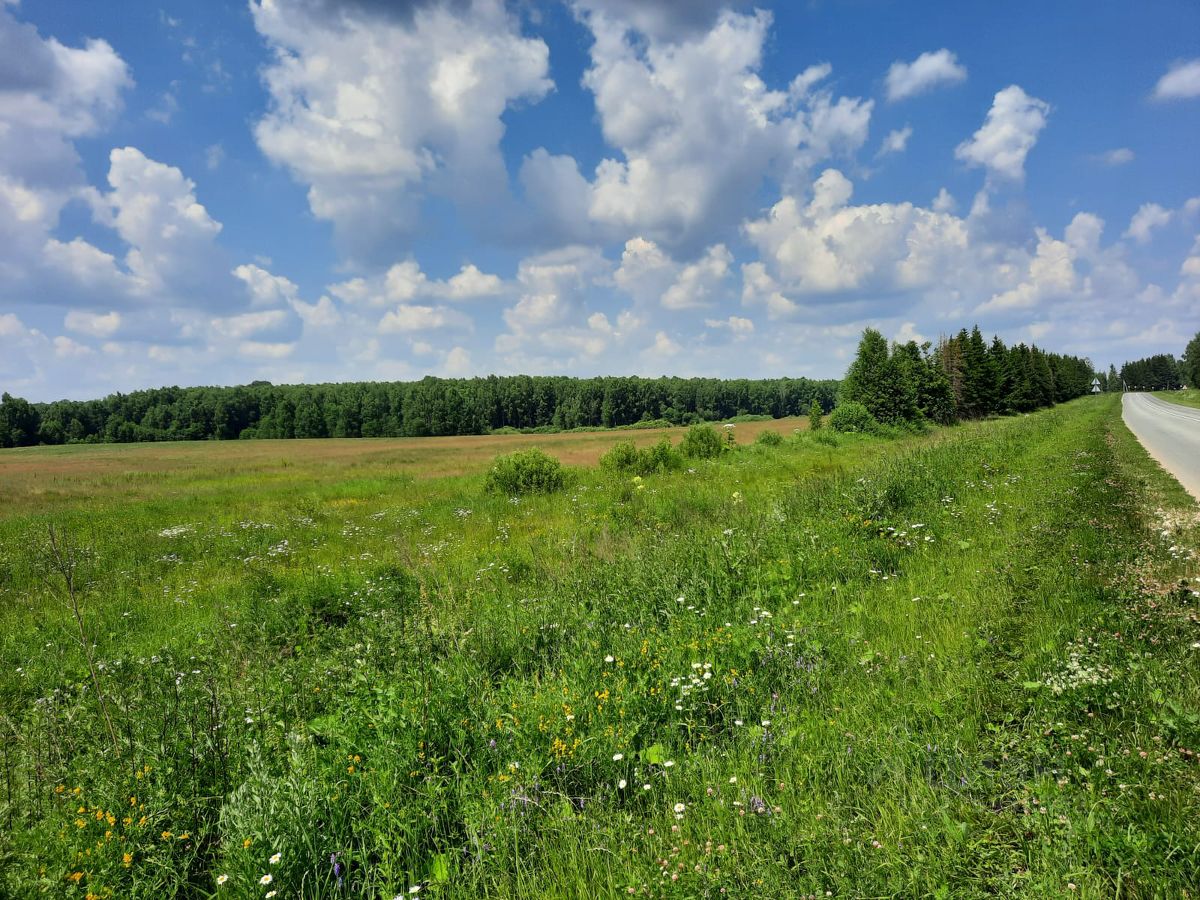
[962, 377]
[432, 406]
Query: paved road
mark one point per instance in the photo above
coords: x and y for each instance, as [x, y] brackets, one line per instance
[1170, 433]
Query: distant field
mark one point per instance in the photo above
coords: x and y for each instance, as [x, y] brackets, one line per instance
[956, 665]
[43, 478]
[1186, 397]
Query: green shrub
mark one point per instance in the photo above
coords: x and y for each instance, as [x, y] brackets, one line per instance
[769, 438]
[814, 416]
[825, 437]
[625, 457]
[701, 442]
[660, 457]
[525, 472]
[851, 416]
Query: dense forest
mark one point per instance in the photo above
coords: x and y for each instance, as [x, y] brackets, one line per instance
[963, 377]
[432, 406]
[1154, 373]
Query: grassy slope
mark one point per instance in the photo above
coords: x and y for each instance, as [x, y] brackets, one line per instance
[1186, 397]
[949, 667]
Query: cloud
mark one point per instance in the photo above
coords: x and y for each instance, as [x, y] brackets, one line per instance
[405, 281]
[1148, 217]
[701, 283]
[1050, 275]
[668, 20]
[936, 68]
[555, 323]
[1182, 82]
[696, 129]
[381, 111]
[410, 318]
[214, 155]
[93, 324]
[896, 141]
[1119, 157]
[264, 288]
[1007, 135]
[153, 208]
[456, 363]
[738, 326]
[51, 95]
[829, 248]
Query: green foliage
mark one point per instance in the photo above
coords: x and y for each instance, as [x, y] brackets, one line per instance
[701, 442]
[849, 416]
[626, 458]
[431, 406]
[525, 472]
[769, 439]
[1189, 366]
[18, 422]
[1161, 372]
[815, 416]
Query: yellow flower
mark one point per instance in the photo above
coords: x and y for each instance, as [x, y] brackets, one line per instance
[127, 859]
[246, 843]
[166, 835]
[75, 876]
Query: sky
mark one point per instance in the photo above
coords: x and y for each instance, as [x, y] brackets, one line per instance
[346, 190]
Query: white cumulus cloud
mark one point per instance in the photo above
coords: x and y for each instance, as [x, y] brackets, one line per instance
[1007, 135]
[1182, 82]
[375, 112]
[935, 68]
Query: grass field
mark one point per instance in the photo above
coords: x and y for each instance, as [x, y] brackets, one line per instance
[1186, 397]
[40, 479]
[957, 665]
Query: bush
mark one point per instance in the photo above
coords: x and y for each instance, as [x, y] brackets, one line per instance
[625, 457]
[851, 416]
[825, 437]
[525, 472]
[769, 438]
[660, 457]
[815, 414]
[701, 442]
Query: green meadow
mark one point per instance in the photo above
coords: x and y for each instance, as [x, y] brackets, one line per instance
[958, 664]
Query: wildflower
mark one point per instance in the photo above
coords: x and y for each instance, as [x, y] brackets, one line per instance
[221, 879]
[127, 860]
[680, 807]
[275, 859]
[668, 763]
[621, 785]
[266, 879]
[246, 843]
[617, 757]
[271, 893]
[609, 658]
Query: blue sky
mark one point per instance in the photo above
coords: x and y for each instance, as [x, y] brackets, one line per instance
[326, 190]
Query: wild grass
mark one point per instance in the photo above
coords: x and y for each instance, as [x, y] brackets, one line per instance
[958, 665]
[1184, 397]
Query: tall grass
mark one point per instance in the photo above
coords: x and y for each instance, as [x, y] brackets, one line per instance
[955, 666]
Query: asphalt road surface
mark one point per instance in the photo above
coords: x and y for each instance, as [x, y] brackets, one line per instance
[1170, 433]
